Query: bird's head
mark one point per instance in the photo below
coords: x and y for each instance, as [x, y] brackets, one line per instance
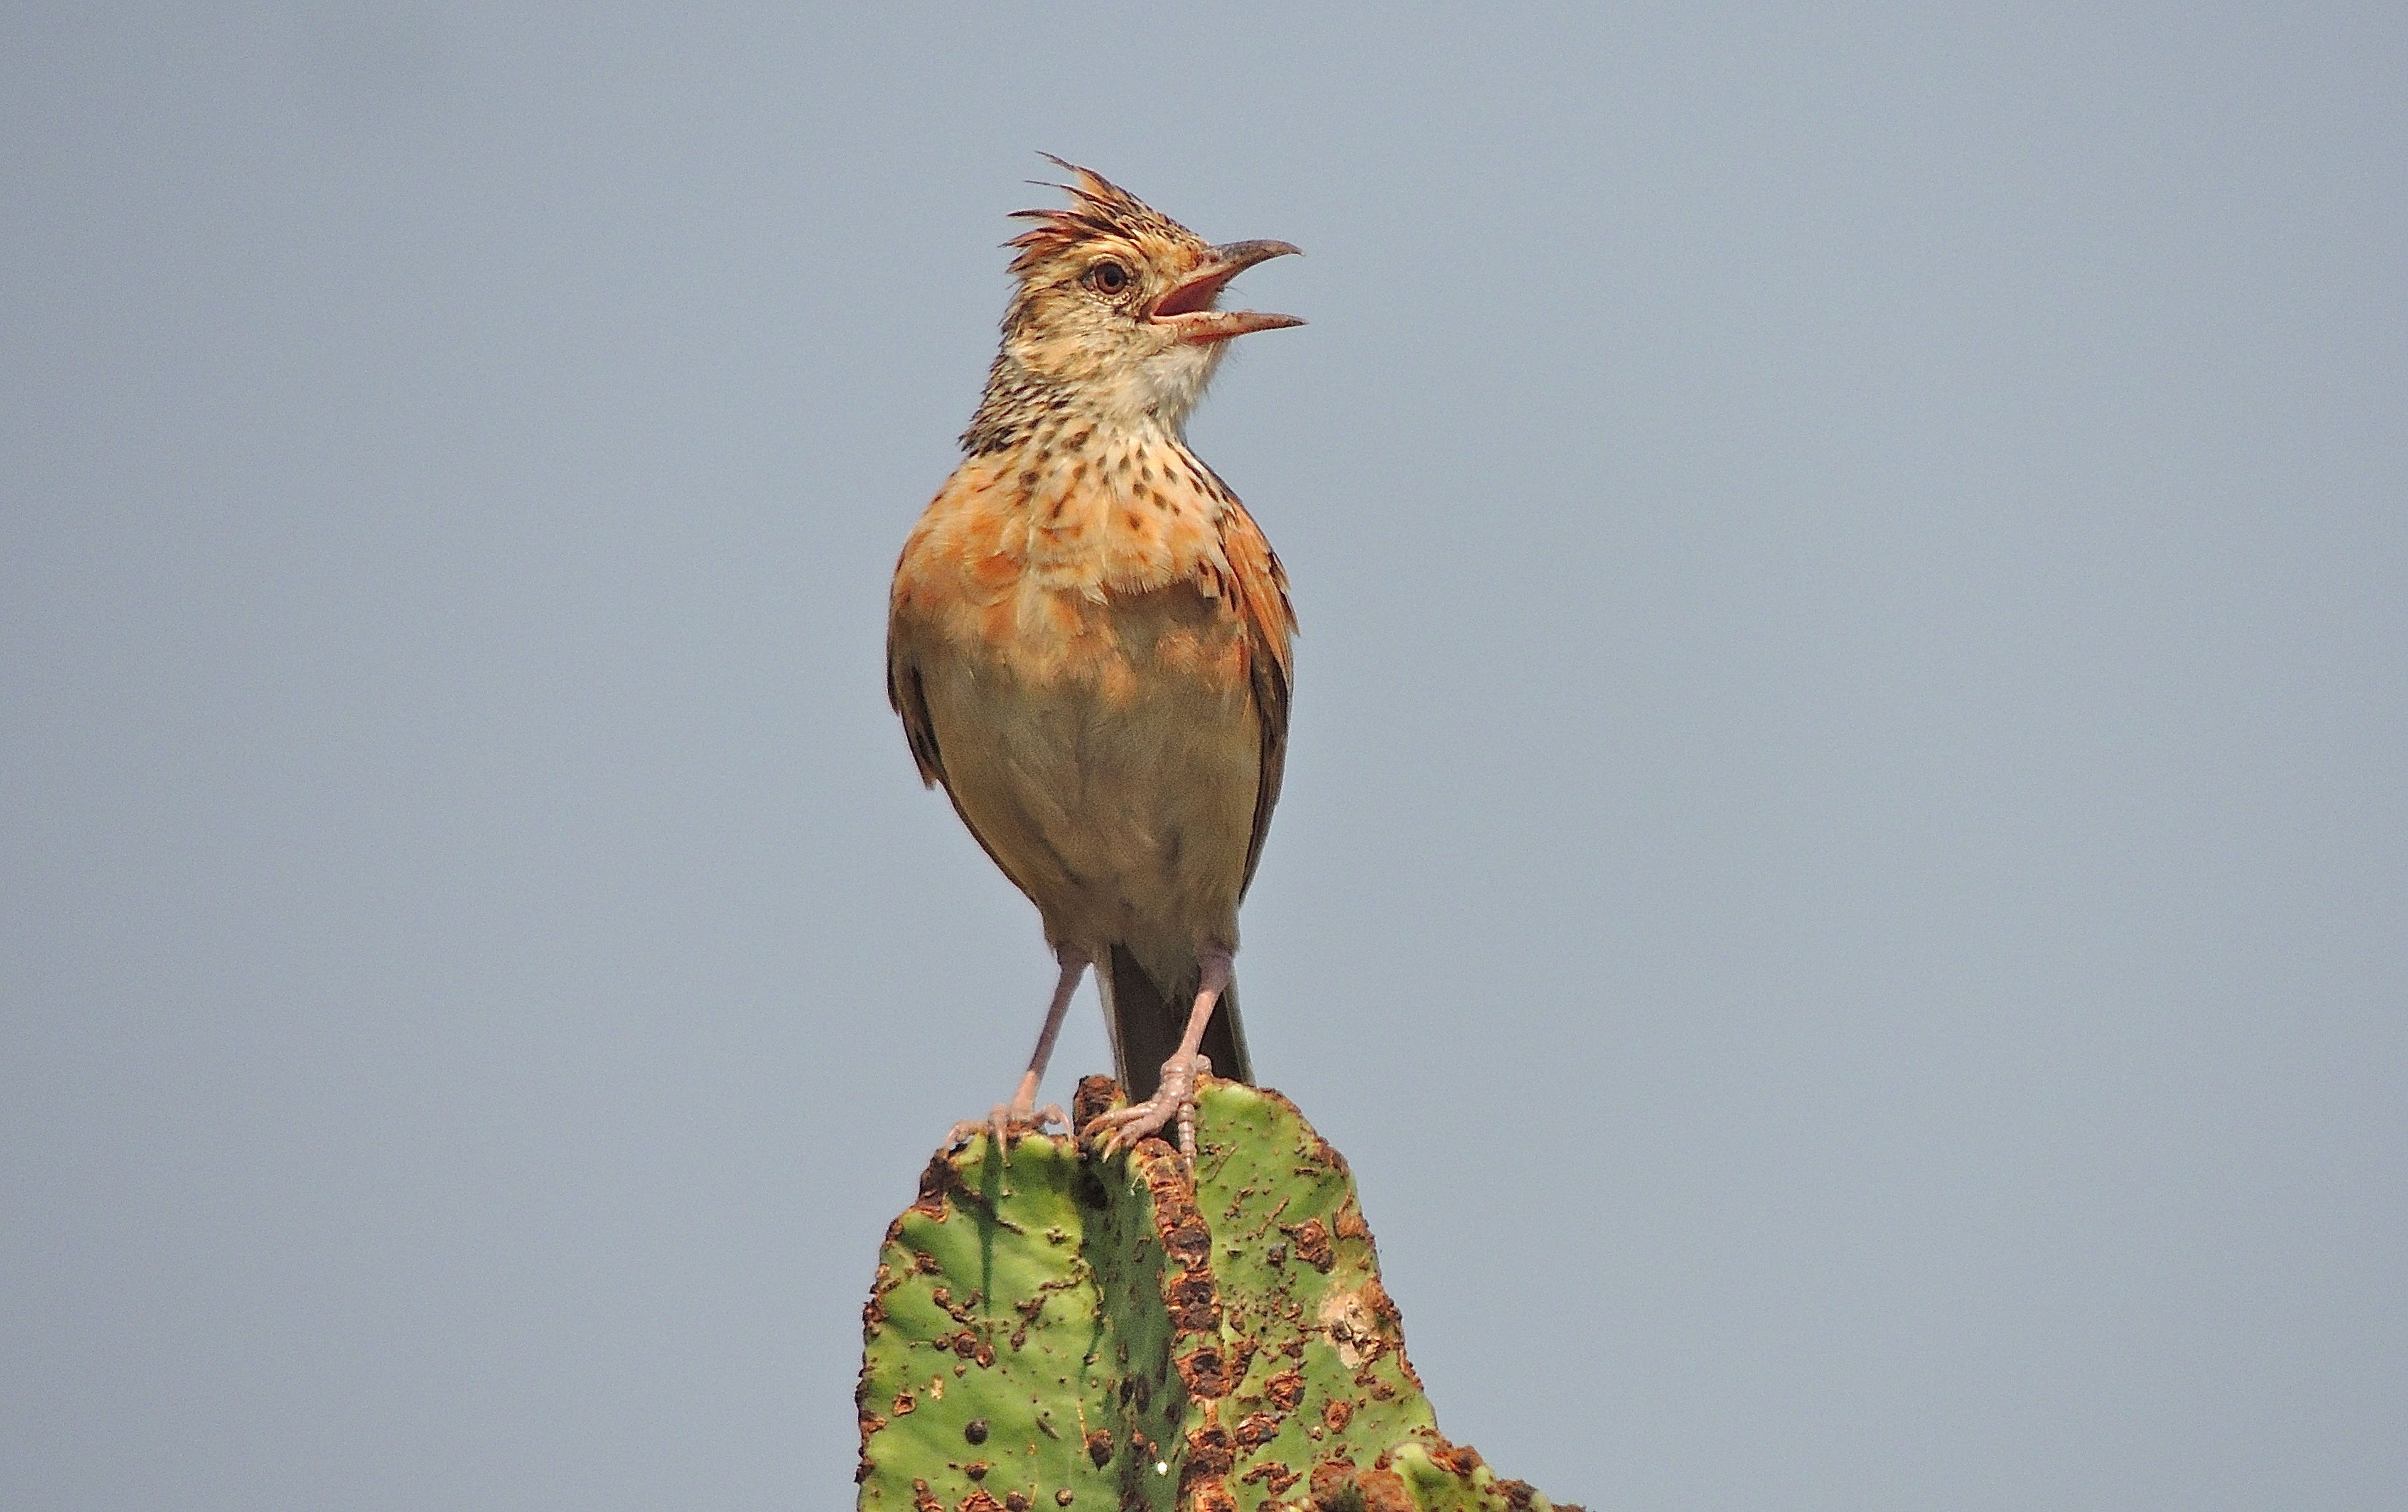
[1118, 304]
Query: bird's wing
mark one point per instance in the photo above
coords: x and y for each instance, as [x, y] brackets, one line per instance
[903, 692]
[1270, 621]
[903, 688]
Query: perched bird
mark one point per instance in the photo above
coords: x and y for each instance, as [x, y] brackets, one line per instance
[1088, 644]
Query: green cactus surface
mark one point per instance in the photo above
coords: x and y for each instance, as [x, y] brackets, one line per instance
[1055, 1331]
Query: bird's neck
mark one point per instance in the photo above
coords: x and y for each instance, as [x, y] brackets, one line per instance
[1024, 407]
[1083, 467]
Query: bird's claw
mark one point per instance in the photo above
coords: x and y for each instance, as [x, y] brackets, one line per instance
[1174, 1101]
[1006, 1122]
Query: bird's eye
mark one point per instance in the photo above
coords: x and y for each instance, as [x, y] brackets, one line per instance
[1108, 277]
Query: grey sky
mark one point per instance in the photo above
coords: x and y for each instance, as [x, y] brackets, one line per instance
[1843, 874]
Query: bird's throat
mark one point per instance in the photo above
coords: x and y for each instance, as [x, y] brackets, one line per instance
[1135, 394]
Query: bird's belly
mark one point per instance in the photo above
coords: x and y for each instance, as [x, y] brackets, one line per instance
[1122, 801]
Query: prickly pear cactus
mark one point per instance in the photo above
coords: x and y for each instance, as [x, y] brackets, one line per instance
[1059, 1332]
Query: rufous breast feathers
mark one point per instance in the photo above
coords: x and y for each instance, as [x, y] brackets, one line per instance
[1096, 563]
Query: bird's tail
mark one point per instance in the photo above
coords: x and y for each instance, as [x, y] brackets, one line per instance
[1146, 1022]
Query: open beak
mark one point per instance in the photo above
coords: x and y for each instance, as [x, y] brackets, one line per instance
[1188, 307]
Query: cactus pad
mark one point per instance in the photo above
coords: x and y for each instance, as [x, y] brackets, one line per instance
[1058, 1331]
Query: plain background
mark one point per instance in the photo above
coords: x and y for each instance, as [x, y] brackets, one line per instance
[1843, 880]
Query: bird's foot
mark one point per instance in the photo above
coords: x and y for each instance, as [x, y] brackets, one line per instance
[1010, 1121]
[1174, 1101]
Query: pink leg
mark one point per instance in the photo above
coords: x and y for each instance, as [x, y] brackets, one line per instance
[1175, 1099]
[1022, 1114]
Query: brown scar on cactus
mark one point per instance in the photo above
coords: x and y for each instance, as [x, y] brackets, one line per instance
[1126, 1334]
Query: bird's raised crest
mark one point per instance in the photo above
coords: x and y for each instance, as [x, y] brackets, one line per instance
[1104, 208]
